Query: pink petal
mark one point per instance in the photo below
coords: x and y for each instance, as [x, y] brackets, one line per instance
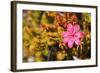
[79, 34]
[70, 28]
[70, 43]
[77, 41]
[76, 28]
[65, 40]
[65, 34]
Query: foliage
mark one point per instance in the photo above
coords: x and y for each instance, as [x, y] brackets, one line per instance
[42, 36]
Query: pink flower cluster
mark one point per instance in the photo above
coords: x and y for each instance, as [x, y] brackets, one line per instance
[72, 35]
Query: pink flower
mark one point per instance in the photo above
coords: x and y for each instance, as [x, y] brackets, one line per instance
[72, 35]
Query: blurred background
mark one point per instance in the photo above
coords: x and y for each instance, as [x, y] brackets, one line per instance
[42, 40]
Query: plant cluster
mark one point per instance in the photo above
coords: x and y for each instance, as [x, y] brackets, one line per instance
[56, 36]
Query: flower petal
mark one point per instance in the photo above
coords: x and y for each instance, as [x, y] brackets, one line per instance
[70, 28]
[79, 34]
[77, 41]
[76, 28]
[70, 43]
[65, 40]
[65, 34]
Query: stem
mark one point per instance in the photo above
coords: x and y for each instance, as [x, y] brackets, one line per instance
[50, 56]
[69, 52]
[78, 48]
